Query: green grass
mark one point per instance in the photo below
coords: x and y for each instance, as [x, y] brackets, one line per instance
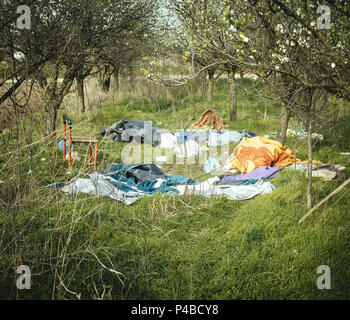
[165, 246]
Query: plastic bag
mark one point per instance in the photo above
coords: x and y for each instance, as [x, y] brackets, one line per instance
[211, 165]
[60, 146]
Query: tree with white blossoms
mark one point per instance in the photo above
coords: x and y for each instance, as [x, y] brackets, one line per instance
[299, 60]
[309, 62]
[211, 27]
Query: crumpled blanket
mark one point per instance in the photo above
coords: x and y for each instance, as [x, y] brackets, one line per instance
[212, 187]
[128, 183]
[252, 153]
[327, 171]
[265, 172]
[209, 118]
[136, 131]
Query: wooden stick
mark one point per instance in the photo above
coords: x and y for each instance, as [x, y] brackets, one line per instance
[90, 154]
[70, 148]
[95, 162]
[64, 142]
[325, 199]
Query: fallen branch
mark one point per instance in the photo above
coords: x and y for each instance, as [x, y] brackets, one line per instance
[325, 199]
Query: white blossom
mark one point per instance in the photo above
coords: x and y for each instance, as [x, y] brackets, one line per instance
[233, 28]
[244, 38]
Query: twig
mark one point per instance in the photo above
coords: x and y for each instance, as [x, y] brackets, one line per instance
[109, 269]
[325, 199]
[78, 295]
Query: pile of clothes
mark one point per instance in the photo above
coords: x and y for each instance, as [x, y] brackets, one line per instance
[210, 118]
[259, 157]
[129, 183]
[209, 131]
[256, 158]
[259, 151]
[135, 131]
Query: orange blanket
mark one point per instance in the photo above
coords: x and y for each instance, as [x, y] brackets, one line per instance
[255, 152]
[209, 118]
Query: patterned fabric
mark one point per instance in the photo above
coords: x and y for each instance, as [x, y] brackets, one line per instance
[209, 118]
[252, 153]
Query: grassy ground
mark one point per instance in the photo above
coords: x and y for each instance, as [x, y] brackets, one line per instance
[164, 246]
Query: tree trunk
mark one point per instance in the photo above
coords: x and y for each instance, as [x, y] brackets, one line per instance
[283, 124]
[233, 96]
[309, 151]
[53, 94]
[309, 165]
[81, 96]
[105, 79]
[211, 84]
[115, 81]
[202, 84]
[51, 116]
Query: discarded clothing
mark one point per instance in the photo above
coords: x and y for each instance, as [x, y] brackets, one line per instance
[128, 183]
[249, 134]
[139, 173]
[327, 171]
[136, 131]
[167, 140]
[209, 118]
[212, 138]
[227, 166]
[220, 138]
[145, 172]
[331, 167]
[200, 137]
[264, 172]
[102, 185]
[208, 188]
[252, 153]
[211, 165]
[236, 182]
[188, 149]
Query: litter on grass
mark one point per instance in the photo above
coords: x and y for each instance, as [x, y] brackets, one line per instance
[211, 119]
[129, 183]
